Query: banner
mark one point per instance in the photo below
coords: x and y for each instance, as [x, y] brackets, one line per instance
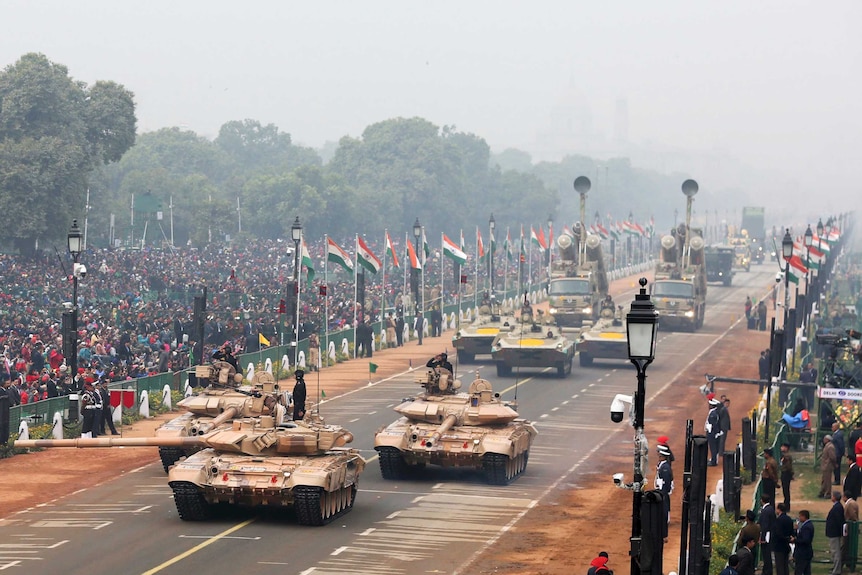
[839, 393]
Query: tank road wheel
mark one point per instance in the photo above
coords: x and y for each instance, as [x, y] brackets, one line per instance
[585, 359]
[169, 456]
[464, 357]
[503, 370]
[392, 464]
[314, 506]
[190, 502]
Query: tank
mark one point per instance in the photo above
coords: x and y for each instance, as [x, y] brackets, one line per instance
[444, 426]
[605, 339]
[255, 462]
[533, 341]
[217, 405]
[476, 338]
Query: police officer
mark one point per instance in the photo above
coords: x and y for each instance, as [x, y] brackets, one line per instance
[88, 411]
[664, 476]
[299, 395]
[713, 428]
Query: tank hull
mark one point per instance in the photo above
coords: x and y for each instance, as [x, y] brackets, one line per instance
[533, 351]
[210, 477]
[402, 445]
[611, 343]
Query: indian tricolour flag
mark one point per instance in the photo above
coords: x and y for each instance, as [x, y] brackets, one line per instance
[796, 269]
[335, 254]
[535, 239]
[426, 249]
[411, 254]
[480, 247]
[507, 246]
[452, 251]
[306, 261]
[390, 251]
[365, 257]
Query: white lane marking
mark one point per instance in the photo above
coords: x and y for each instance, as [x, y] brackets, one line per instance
[354, 420]
[554, 408]
[565, 402]
[393, 515]
[544, 415]
[368, 531]
[575, 396]
[418, 499]
[371, 412]
[208, 536]
[271, 563]
[339, 551]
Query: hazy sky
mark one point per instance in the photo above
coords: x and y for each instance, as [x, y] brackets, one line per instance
[774, 84]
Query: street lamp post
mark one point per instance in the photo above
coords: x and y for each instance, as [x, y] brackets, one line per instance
[641, 329]
[74, 241]
[550, 242]
[296, 235]
[492, 224]
[417, 233]
[786, 253]
[582, 185]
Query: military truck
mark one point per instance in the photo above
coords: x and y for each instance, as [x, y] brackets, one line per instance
[679, 288]
[741, 252]
[719, 264]
[579, 281]
[753, 224]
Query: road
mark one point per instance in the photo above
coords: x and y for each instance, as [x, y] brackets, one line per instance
[435, 524]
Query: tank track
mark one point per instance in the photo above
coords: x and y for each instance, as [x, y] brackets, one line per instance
[392, 464]
[501, 469]
[314, 506]
[190, 502]
[169, 456]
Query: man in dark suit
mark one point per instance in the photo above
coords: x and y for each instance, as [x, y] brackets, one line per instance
[782, 531]
[804, 553]
[746, 557]
[834, 531]
[766, 522]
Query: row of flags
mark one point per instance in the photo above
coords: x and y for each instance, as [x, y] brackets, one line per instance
[812, 257]
[457, 252]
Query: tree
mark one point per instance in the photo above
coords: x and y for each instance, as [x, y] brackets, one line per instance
[53, 132]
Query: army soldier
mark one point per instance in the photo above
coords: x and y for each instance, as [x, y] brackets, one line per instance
[299, 395]
[88, 411]
[713, 428]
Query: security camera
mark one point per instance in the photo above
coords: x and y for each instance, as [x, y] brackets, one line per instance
[618, 406]
[67, 305]
[80, 271]
[778, 278]
[618, 479]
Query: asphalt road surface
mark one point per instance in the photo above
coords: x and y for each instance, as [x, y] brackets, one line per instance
[436, 523]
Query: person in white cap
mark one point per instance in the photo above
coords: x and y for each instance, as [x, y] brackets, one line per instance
[664, 476]
[713, 429]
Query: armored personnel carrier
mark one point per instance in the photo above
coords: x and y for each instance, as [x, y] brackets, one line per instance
[445, 427]
[606, 339]
[476, 338]
[533, 341]
[217, 405]
[255, 462]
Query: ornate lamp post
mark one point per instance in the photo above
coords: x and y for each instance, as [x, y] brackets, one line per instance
[417, 233]
[641, 330]
[75, 244]
[296, 235]
[786, 253]
[492, 225]
[808, 241]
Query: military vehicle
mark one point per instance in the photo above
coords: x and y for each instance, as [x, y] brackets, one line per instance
[679, 288]
[533, 341]
[476, 338]
[754, 226]
[605, 339]
[719, 264]
[741, 252]
[217, 405]
[255, 462]
[445, 427]
[578, 281]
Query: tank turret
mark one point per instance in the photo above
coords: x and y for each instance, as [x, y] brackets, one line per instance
[254, 462]
[474, 429]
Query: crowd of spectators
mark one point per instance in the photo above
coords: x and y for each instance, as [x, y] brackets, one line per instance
[135, 307]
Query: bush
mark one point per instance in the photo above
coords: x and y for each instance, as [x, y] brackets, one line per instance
[723, 534]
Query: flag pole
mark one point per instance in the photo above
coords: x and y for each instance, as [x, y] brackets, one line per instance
[506, 266]
[530, 260]
[355, 295]
[406, 260]
[424, 261]
[476, 277]
[442, 275]
[325, 306]
[298, 298]
[383, 280]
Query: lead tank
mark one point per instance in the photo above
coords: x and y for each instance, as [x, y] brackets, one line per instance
[217, 404]
[446, 427]
[255, 462]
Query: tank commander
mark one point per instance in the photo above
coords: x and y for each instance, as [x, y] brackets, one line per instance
[440, 360]
[225, 354]
[607, 304]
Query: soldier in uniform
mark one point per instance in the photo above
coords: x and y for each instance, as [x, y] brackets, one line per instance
[440, 360]
[313, 351]
[88, 410]
[299, 395]
[664, 476]
[107, 416]
[713, 429]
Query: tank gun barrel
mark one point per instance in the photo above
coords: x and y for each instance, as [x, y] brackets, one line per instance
[85, 442]
[447, 424]
[229, 413]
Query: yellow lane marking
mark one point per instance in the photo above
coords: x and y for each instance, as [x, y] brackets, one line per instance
[197, 548]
